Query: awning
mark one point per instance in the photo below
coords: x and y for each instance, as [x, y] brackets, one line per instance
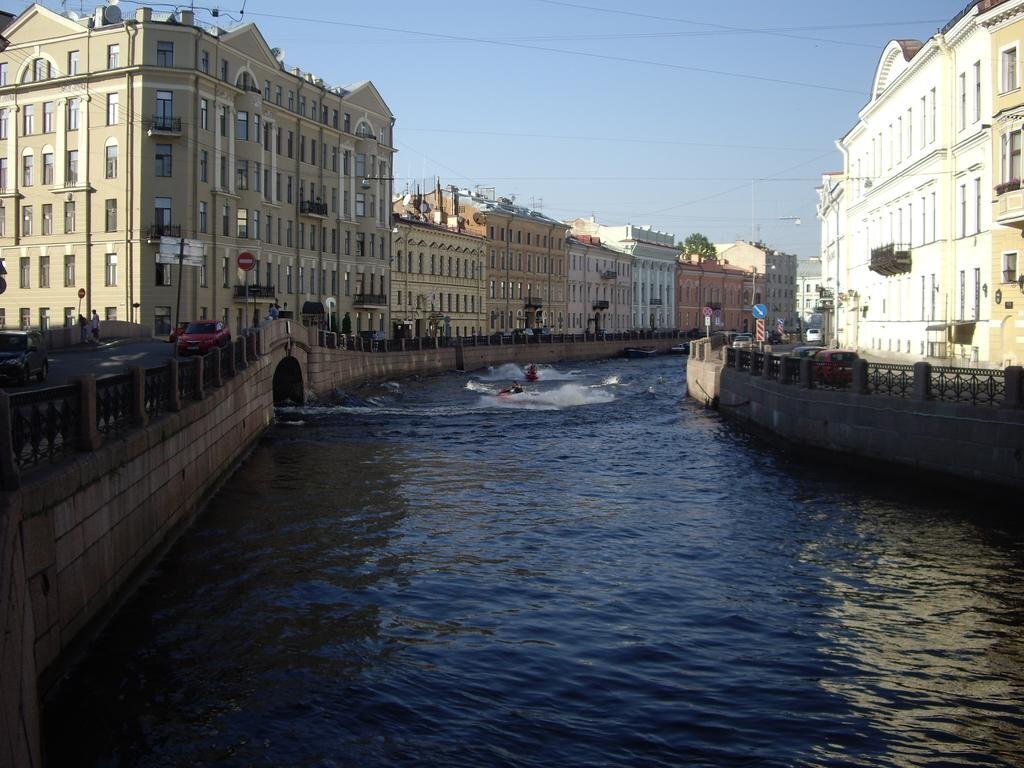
[313, 308]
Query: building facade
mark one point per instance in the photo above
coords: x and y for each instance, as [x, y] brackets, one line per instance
[599, 287]
[723, 288]
[438, 278]
[117, 133]
[779, 272]
[915, 182]
[809, 293]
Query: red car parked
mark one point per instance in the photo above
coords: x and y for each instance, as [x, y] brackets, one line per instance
[834, 367]
[203, 335]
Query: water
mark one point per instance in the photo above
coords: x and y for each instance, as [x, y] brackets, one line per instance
[594, 573]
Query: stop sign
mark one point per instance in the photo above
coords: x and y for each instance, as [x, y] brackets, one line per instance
[81, 293]
[246, 261]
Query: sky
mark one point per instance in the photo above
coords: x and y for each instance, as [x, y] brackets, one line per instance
[710, 117]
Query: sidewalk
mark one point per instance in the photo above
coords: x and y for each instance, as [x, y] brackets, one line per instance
[104, 344]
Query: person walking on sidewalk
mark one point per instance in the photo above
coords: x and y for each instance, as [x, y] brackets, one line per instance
[95, 326]
[83, 329]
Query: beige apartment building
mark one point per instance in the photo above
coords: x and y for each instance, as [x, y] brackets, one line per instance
[117, 132]
[438, 278]
[600, 296]
[526, 260]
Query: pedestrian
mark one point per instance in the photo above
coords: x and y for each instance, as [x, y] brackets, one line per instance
[83, 328]
[274, 311]
[95, 326]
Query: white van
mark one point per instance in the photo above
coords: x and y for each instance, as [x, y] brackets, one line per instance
[812, 335]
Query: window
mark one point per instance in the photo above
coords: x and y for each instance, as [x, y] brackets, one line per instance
[962, 217]
[69, 271]
[110, 313]
[977, 205]
[26, 223]
[73, 105]
[204, 165]
[164, 53]
[26, 170]
[204, 62]
[110, 271]
[204, 114]
[360, 204]
[113, 55]
[112, 104]
[1007, 70]
[42, 69]
[28, 119]
[47, 219]
[347, 123]
[72, 168]
[44, 271]
[162, 213]
[223, 119]
[277, 95]
[3, 73]
[48, 117]
[931, 127]
[4, 117]
[203, 216]
[25, 265]
[110, 161]
[164, 118]
[242, 222]
[110, 207]
[962, 101]
[242, 126]
[48, 168]
[224, 69]
[69, 217]
[163, 160]
[1010, 267]
[225, 220]
[242, 175]
[72, 62]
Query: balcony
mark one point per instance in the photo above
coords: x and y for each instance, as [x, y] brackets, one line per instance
[311, 208]
[1010, 204]
[156, 231]
[535, 302]
[601, 304]
[609, 274]
[255, 291]
[1008, 186]
[370, 300]
[655, 302]
[890, 259]
[163, 125]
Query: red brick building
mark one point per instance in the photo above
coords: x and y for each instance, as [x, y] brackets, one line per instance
[723, 287]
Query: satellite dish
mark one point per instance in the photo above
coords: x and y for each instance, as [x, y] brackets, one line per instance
[407, 199]
[112, 14]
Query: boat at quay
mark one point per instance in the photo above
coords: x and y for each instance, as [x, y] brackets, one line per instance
[598, 571]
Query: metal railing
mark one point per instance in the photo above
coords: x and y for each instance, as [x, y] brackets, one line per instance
[114, 403]
[369, 299]
[156, 231]
[968, 385]
[312, 208]
[164, 123]
[187, 377]
[158, 390]
[45, 423]
[894, 379]
[255, 291]
[828, 375]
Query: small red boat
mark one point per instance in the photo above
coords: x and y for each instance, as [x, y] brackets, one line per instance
[532, 374]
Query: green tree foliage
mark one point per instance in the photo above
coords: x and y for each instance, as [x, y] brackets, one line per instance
[700, 245]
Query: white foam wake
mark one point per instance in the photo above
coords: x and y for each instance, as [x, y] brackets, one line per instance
[565, 396]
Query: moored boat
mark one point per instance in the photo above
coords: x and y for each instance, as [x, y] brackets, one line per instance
[680, 349]
[639, 352]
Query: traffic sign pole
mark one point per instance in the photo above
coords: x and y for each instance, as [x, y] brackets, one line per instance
[245, 262]
[181, 278]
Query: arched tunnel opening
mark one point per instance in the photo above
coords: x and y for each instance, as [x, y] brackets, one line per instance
[288, 382]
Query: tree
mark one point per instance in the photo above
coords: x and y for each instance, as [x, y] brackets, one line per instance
[700, 245]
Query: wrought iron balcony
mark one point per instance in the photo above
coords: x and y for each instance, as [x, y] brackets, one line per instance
[609, 274]
[164, 124]
[533, 301]
[156, 231]
[370, 300]
[890, 259]
[311, 208]
[1008, 186]
[655, 302]
[255, 291]
[601, 304]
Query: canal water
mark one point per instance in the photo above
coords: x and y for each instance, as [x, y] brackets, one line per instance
[597, 572]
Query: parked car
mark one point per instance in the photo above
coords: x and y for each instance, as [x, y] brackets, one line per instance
[834, 367]
[805, 351]
[177, 330]
[22, 355]
[812, 335]
[201, 336]
[742, 341]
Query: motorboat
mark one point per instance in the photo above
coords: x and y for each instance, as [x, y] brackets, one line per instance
[640, 352]
[532, 374]
[515, 389]
[680, 349]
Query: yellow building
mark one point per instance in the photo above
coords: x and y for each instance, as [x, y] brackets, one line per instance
[438, 280]
[1005, 21]
[117, 132]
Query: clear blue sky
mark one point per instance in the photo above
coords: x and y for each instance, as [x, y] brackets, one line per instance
[599, 106]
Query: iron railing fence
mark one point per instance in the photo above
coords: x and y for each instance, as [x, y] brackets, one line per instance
[114, 403]
[978, 386]
[45, 423]
[894, 379]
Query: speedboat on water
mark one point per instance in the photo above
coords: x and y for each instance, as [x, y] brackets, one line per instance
[514, 389]
[680, 349]
[532, 374]
[638, 352]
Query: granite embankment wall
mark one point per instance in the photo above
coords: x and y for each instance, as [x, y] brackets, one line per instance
[983, 443]
[76, 536]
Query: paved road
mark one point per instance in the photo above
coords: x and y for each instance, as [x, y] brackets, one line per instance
[104, 361]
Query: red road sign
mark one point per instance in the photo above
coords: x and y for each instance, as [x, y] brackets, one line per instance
[707, 311]
[246, 261]
[81, 293]
[760, 329]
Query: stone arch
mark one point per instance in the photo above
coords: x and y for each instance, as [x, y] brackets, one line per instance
[288, 384]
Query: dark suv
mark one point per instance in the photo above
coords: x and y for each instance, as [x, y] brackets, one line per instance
[22, 355]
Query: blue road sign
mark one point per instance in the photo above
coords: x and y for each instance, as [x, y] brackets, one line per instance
[760, 311]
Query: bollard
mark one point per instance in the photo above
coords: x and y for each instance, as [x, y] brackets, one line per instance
[1013, 377]
[139, 416]
[218, 380]
[198, 393]
[232, 359]
[173, 379]
[860, 377]
[766, 368]
[89, 430]
[922, 381]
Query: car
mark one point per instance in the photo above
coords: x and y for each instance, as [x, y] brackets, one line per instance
[22, 355]
[809, 350]
[200, 336]
[742, 341]
[834, 367]
[812, 335]
[774, 337]
[177, 330]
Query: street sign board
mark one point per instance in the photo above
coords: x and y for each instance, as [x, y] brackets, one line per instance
[707, 320]
[172, 258]
[781, 323]
[759, 311]
[246, 261]
[81, 293]
[173, 245]
[760, 329]
[707, 311]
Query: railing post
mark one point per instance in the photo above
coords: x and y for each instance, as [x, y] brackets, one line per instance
[232, 366]
[766, 366]
[860, 376]
[89, 439]
[1013, 382]
[784, 369]
[139, 416]
[198, 394]
[218, 380]
[10, 477]
[173, 379]
[922, 381]
[806, 373]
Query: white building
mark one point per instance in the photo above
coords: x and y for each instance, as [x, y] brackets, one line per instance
[916, 217]
[808, 285]
[599, 287]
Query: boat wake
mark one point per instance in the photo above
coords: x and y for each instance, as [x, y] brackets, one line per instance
[565, 396]
[514, 372]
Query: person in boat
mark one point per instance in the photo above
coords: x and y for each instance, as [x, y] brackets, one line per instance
[531, 369]
[512, 389]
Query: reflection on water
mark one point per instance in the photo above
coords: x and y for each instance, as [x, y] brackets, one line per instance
[427, 576]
